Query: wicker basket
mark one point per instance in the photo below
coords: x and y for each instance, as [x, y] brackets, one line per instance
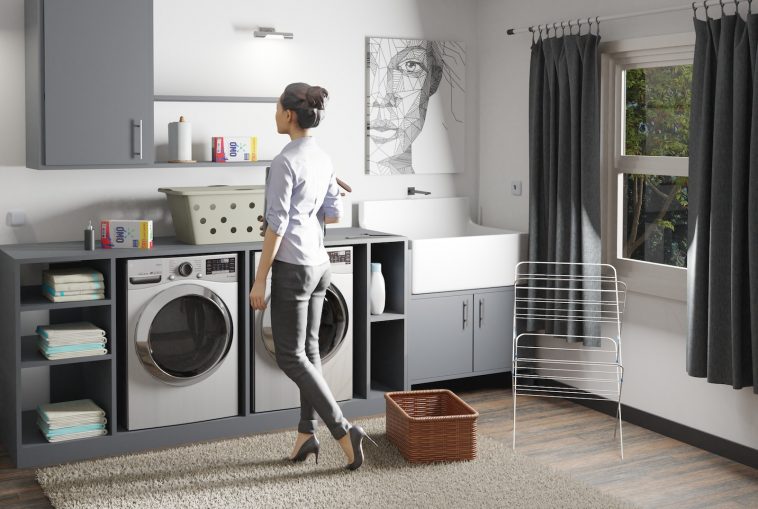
[434, 425]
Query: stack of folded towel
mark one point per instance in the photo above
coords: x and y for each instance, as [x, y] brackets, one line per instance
[70, 420]
[67, 340]
[73, 283]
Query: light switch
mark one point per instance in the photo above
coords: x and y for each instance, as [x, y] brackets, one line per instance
[516, 188]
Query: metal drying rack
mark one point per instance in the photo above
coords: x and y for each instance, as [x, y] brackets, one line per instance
[570, 347]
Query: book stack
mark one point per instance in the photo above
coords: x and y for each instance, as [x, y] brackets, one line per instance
[67, 340]
[73, 283]
[71, 420]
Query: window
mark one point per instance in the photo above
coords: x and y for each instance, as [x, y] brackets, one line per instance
[646, 99]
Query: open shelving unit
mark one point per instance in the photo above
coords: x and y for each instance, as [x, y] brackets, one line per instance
[91, 377]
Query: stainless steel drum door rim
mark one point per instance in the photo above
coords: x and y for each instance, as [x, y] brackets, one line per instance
[193, 302]
[333, 329]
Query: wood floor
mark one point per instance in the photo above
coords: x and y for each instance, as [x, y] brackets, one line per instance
[656, 471]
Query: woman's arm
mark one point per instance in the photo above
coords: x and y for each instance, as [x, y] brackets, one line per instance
[278, 196]
[271, 244]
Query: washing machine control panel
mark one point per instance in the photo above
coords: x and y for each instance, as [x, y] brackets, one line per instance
[226, 265]
[341, 260]
[148, 272]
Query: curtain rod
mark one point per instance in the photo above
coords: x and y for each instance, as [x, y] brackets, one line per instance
[589, 21]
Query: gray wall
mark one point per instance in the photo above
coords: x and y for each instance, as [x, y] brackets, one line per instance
[655, 329]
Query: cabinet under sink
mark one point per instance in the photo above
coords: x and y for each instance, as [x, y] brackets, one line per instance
[460, 334]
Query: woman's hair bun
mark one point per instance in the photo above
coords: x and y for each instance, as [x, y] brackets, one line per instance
[316, 97]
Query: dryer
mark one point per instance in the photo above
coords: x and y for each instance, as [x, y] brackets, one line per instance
[182, 348]
[273, 390]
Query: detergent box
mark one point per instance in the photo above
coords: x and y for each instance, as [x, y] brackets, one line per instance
[118, 233]
[234, 149]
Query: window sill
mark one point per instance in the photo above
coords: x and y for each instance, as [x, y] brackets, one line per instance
[658, 281]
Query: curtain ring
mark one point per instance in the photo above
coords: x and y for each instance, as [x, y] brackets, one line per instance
[597, 25]
[723, 13]
[563, 29]
[694, 9]
[578, 26]
[705, 6]
[570, 27]
[539, 27]
[589, 26]
[531, 29]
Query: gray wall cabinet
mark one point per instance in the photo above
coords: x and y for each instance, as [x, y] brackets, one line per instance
[89, 82]
[460, 334]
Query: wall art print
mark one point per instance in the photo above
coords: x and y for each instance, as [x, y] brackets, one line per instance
[415, 93]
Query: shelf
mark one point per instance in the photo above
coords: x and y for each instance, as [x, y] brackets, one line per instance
[32, 299]
[31, 436]
[203, 164]
[384, 317]
[31, 357]
[214, 99]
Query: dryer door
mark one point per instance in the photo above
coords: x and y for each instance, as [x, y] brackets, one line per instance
[183, 334]
[334, 322]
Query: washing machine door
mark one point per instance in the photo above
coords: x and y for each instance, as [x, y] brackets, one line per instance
[333, 329]
[183, 334]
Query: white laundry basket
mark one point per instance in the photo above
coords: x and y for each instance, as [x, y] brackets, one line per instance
[216, 214]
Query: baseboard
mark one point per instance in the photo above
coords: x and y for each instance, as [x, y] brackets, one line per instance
[691, 436]
[700, 439]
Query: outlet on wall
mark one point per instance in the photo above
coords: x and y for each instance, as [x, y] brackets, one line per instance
[516, 188]
[15, 218]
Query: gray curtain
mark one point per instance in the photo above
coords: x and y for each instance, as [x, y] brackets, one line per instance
[564, 155]
[722, 275]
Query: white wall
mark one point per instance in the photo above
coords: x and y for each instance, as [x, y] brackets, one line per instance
[206, 47]
[655, 329]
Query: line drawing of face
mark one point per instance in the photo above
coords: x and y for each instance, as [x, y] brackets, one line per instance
[403, 74]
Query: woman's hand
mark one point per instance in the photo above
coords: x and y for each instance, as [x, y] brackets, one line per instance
[258, 295]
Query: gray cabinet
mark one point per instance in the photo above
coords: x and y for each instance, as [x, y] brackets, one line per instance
[493, 331]
[460, 335]
[90, 82]
[439, 336]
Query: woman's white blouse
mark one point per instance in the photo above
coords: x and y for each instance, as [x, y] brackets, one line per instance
[301, 190]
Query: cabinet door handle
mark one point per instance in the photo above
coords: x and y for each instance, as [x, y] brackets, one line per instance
[465, 314]
[139, 124]
[481, 312]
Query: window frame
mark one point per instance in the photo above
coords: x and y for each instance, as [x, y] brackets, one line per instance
[616, 57]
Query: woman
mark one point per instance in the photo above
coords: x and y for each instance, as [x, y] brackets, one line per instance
[301, 189]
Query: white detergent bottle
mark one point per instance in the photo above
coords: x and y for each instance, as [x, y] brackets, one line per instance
[377, 289]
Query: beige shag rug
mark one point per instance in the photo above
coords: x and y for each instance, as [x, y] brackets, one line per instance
[251, 472]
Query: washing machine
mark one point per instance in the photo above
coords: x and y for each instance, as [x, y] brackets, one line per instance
[182, 348]
[273, 390]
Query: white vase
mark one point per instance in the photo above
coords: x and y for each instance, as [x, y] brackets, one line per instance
[377, 289]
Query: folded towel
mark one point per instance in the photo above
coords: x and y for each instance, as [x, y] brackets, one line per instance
[72, 287]
[58, 293]
[71, 298]
[71, 275]
[68, 430]
[47, 349]
[73, 355]
[68, 423]
[70, 330]
[73, 341]
[52, 412]
[75, 436]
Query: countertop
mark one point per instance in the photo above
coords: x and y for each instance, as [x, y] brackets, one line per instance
[170, 246]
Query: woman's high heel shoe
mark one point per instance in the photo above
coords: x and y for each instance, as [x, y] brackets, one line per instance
[357, 435]
[310, 446]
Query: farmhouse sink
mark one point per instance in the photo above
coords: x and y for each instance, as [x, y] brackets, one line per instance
[448, 250]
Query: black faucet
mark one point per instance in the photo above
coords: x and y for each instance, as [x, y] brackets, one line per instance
[413, 190]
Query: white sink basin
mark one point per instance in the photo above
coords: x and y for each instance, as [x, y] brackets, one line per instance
[448, 250]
